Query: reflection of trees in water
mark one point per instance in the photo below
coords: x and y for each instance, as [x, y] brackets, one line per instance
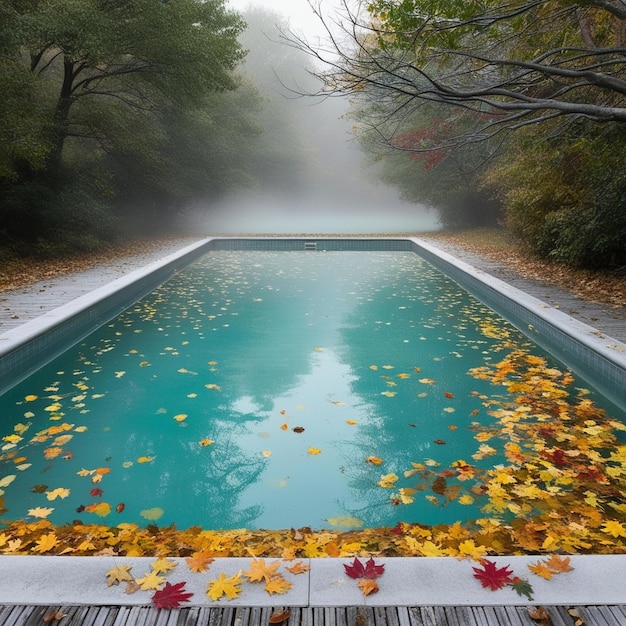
[194, 484]
[420, 319]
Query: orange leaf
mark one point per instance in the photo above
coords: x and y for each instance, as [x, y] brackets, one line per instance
[279, 617]
[297, 568]
[558, 564]
[259, 570]
[199, 561]
[541, 570]
[278, 585]
[367, 586]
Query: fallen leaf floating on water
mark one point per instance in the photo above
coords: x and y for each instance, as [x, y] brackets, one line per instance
[314, 451]
[373, 460]
[298, 429]
[171, 596]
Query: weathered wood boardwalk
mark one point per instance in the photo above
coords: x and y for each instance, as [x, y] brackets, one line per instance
[309, 616]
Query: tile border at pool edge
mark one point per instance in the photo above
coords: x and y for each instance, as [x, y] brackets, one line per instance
[599, 359]
[28, 347]
[407, 581]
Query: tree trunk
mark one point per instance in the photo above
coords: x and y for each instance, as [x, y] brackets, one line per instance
[61, 116]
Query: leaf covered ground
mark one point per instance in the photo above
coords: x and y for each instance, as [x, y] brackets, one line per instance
[608, 287]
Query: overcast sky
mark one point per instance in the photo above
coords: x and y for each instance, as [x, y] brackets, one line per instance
[297, 12]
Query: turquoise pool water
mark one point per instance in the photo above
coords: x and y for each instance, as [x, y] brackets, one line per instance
[261, 390]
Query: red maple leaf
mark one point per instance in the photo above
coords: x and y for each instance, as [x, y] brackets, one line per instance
[171, 596]
[491, 576]
[369, 570]
[96, 491]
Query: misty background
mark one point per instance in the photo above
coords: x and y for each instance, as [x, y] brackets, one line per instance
[311, 176]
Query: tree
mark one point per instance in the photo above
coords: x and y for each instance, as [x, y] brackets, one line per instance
[522, 62]
[104, 100]
[137, 53]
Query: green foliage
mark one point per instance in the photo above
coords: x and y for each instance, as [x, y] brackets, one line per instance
[63, 218]
[564, 197]
[112, 107]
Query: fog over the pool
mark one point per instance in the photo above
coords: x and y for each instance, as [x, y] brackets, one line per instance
[328, 187]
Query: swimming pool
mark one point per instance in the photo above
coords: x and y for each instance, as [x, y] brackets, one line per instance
[372, 392]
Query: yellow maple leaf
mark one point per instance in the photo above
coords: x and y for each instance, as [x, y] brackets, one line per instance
[145, 459]
[470, 549]
[374, 460]
[206, 442]
[260, 570]
[163, 565]
[118, 574]
[181, 417]
[225, 586]
[45, 543]
[278, 585]
[40, 511]
[314, 451]
[429, 548]
[152, 514]
[613, 528]
[150, 581]
[30, 398]
[541, 570]
[59, 492]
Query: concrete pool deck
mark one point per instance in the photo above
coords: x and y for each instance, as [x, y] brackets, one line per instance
[74, 581]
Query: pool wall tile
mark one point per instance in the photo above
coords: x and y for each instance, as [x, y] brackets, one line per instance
[25, 349]
[599, 359]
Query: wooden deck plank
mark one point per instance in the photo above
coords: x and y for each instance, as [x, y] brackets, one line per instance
[308, 616]
[599, 616]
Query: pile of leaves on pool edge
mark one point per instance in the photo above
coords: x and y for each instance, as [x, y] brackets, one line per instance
[476, 541]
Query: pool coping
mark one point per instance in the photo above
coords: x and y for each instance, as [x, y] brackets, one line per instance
[408, 581]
